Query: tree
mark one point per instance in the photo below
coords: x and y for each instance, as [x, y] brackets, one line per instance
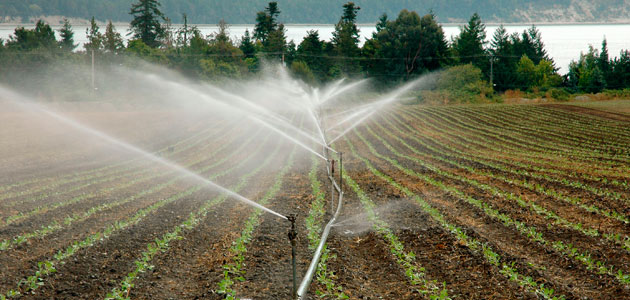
[42, 36]
[185, 33]
[270, 34]
[311, 52]
[301, 70]
[620, 71]
[67, 36]
[247, 46]
[224, 58]
[146, 24]
[503, 60]
[94, 37]
[469, 44]
[345, 39]
[585, 75]
[541, 77]
[266, 22]
[406, 47]
[505, 51]
[433, 45]
[112, 40]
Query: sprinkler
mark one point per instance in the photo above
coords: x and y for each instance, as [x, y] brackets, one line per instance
[340, 172]
[332, 167]
[293, 240]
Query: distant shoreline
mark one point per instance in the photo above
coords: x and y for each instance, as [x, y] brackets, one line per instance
[359, 24]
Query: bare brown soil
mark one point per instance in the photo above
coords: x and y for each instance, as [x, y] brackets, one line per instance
[362, 265]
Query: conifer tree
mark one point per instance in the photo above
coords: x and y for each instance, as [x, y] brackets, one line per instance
[95, 38]
[247, 46]
[146, 24]
[112, 40]
[67, 36]
[469, 44]
[345, 39]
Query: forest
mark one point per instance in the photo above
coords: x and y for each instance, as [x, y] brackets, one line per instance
[403, 48]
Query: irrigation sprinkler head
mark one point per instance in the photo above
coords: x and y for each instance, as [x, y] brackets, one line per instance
[292, 237]
[332, 166]
[292, 232]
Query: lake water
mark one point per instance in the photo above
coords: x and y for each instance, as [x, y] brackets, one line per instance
[563, 42]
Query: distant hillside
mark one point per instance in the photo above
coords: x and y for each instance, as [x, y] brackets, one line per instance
[328, 11]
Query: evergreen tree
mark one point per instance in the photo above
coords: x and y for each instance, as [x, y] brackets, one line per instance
[311, 52]
[42, 36]
[381, 24]
[434, 49]
[469, 44]
[538, 47]
[247, 46]
[67, 36]
[185, 34]
[112, 40]
[266, 22]
[620, 71]
[270, 34]
[585, 75]
[146, 24]
[275, 45]
[346, 40]
[94, 37]
[504, 60]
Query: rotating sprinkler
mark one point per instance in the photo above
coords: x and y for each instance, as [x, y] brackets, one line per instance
[293, 240]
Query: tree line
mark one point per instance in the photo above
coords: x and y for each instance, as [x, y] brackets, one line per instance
[401, 49]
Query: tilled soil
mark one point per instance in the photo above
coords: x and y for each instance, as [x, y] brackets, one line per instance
[362, 264]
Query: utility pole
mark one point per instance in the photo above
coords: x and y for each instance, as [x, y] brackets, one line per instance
[93, 84]
[492, 71]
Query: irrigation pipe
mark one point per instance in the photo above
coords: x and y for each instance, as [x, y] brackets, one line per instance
[308, 277]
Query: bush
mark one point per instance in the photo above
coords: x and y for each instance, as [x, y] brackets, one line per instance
[558, 94]
[301, 70]
[618, 94]
[460, 84]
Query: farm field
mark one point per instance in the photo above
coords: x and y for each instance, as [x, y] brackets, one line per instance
[460, 202]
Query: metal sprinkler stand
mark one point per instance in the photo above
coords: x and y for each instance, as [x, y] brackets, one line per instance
[293, 240]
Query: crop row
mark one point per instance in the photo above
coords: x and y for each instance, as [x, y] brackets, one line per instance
[506, 140]
[527, 231]
[89, 173]
[521, 140]
[78, 217]
[617, 238]
[476, 246]
[94, 178]
[565, 134]
[490, 142]
[162, 244]
[613, 127]
[620, 239]
[534, 163]
[150, 174]
[407, 260]
[563, 143]
[446, 150]
[578, 131]
[233, 270]
[44, 268]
